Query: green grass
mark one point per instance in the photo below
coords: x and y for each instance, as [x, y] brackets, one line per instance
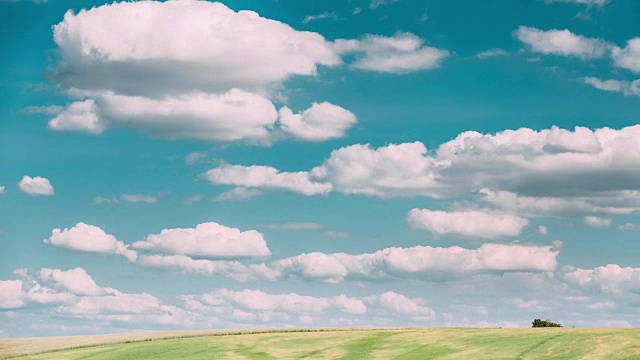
[418, 343]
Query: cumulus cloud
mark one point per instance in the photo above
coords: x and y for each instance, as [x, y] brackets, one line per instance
[318, 123]
[37, 186]
[625, 87]
[76, 281]
[11, 294]
[89, 238]
[207, 80]
[611, 278]
[554, 170]
[401, 53]
[562, 42]
[467, 223]
[629, 56]
[597, 222]
[265, 177]
[401, 305]
[210, 240]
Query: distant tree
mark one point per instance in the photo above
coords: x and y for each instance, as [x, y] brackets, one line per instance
[544, 323]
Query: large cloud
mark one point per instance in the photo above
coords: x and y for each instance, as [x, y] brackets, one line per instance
[467, 223]
[420, 262]
[557, 168]
[562, 42]
[76, 281]
[206, 240]
[89, 238]
[189, 69]
[629, 56]
[11, 294]
[611, 278]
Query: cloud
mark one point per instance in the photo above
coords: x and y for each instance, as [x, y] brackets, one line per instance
[11, 294]
[611, 278]
[629, 226]
[75, 281]
[105, 200]
[542, 230]
[89, 238]
[318, 123]
[135, 198]
[629, 56]
[194, 157]
[625, 87]
[401, 305]
[324, 15]
[552, 170]
[193, 199]
[597, 222]
[467, 223]
[337, 234]
[37, 186]
[374, 4]
[491, 53]
[2, 189]
[599, 3]
[239, 193]
[210, 240]
[562, 42]
[265, 177]
[401, 53]
[216, 88]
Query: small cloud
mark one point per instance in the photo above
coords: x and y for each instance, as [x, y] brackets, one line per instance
[135, 198]
[542, 230]
[37, 186]
[597, 222]
[2, 190]
[324, 15]
[337, 234]
[239, 193]
[105, 200]
[424, 17]
[373, 4]
[628, 227]
[491, 53]
[356, 11]
[193, 199]
[194, 157]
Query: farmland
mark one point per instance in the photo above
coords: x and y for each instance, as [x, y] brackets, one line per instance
[412, 343]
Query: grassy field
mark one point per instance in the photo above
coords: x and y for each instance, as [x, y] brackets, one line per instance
[420, 343]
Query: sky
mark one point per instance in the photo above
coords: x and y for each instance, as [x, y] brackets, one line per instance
[238, 164]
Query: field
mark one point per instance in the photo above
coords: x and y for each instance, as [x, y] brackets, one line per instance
[418, 343]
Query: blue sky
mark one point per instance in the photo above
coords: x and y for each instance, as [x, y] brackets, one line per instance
[185, 164]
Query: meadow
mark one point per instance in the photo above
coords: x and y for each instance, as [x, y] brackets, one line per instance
[412, 343]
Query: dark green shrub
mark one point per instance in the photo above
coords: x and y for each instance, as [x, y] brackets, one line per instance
[544, 323]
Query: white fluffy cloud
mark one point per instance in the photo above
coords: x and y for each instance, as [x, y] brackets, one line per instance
[318, 123]
[37, 186]
[598, 222]
[467, 223]
[11, 294]
[189, 69]
[76, 281]
[555, 170]
[625, 87]
[562, 42]
[210, 240]
[401, 53]
[611, 278]
[629, 56]
[89, 238]
[401, 305]
[266, 177]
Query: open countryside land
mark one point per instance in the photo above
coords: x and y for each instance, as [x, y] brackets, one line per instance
[414, 343]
